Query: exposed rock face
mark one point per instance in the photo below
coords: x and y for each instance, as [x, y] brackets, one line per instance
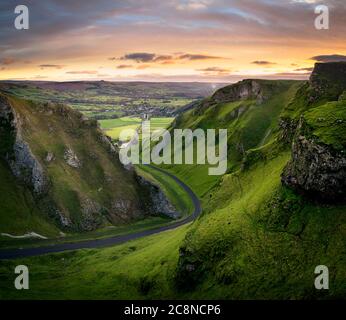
[23, 163]
[72, 159]
[236, 113]
[121, 206]
[160, 203]
[8, 131]
[343, 96]
[316, 169]
[50, 157]
[107, 141]
[246, 89]
[25, 166]
[123, 210]
[328, 81]
[64, 221]
[91, 217]
[288, 128]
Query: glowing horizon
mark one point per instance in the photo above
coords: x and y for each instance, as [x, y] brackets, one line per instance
[179, 40]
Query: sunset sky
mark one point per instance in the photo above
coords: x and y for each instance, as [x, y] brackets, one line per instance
[168, 40]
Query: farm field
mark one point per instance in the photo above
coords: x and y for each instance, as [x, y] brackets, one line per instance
[113, 127]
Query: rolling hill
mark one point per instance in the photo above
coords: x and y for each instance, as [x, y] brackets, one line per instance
[108, 100]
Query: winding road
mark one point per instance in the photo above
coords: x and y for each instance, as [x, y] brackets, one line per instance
[106, 242]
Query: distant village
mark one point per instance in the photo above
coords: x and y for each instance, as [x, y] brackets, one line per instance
[153, 111]
[127, 109]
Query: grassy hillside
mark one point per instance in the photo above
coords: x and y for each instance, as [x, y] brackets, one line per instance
[250, 124]
[328, 123]
[19, 213]
[258, 238]
[139, 269]
[86, 183]
[175, 193]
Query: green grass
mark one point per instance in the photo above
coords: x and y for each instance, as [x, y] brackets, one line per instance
[113, 127]
[18, 213]
[135, 270]
[328, 123]
[121, 122]
[114, 133]
[260, 240]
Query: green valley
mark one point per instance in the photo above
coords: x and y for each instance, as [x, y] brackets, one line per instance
[277, 213]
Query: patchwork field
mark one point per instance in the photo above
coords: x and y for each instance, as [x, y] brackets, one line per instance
[109, 100]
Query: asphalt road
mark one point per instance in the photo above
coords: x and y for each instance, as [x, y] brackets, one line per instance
[106, 242]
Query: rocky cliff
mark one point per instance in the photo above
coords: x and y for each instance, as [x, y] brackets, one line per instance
[23, 163]
[246, 89]
[159, 202]
[318, 164]
[327, 81]
[316, 169]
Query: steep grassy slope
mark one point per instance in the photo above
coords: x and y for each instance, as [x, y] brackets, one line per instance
[250, 118]
[68, 166]
[260, 239]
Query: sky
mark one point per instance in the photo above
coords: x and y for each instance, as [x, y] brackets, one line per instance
[168, 40]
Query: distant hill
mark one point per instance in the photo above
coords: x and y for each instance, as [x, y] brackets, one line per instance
[104, 100]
